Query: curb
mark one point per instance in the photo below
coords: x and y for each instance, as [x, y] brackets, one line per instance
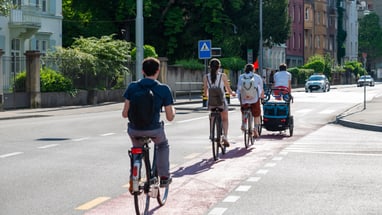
[358, 125]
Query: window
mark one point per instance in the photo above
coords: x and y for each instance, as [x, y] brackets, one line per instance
[306, 13]
[17, 2]
[41, 45]
[44, 6]
[318, 18]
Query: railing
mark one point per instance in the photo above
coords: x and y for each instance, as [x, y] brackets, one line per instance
[190, 89]
[28, 15]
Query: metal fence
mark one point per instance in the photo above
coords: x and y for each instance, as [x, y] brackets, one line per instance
[12, 66]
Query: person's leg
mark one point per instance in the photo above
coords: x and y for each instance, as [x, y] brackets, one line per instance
[256, 111]
[163, 151]
[242, 117]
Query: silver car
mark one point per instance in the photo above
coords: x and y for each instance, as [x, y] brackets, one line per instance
[317, 82]
[365, 80]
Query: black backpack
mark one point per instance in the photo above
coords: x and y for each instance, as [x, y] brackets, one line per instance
[141, 110]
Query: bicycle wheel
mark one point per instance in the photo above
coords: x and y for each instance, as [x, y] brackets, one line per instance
[223, 147]
[162, 195]
[141, 194]
[250, 128]
[246, 131]
[215, 138]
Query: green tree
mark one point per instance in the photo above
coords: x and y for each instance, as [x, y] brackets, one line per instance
[370, 36]
[94, 62]
[174, 27]
[5, 7]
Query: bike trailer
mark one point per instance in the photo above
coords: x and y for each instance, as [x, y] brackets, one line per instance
[276, 116]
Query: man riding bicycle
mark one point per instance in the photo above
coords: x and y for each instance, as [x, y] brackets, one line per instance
[155, 130]
[282, 80]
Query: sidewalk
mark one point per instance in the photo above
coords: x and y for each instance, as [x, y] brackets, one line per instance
[355, 117]
[361, 118]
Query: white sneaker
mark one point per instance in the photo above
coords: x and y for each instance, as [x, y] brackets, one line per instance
[225, 141]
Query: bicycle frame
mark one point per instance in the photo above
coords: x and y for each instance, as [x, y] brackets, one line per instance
[144, 178]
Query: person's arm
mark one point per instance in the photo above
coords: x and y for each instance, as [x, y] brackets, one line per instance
[170, 112]
[126, 107]
[205, 86]
[227, 86]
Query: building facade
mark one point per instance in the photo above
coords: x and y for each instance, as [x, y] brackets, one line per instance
[351, 28]
[33, 25]
[295, 43]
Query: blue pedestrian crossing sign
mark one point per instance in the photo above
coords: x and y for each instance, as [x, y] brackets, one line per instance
[204, 49]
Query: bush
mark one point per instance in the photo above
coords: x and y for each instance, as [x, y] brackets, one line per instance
[148, 51]
[50, 81]
[191, 64]
[233, 63]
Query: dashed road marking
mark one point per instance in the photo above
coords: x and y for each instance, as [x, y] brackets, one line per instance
[277, 158]
[81, 139]
[10, 154]
[262, 171]
[243, 188]
[253, 179]
[329, 111]
[217, 211]
[48, 146]
[92, 203]
[107, 134]
[231, 199]
[270, 165]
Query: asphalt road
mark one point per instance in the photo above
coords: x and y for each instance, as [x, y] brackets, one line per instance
[77, 163]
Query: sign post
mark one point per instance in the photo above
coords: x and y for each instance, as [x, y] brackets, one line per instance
[204, 52]
[364, 55]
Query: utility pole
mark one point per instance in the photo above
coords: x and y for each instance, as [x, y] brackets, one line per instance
[139, 40]
[261, 40]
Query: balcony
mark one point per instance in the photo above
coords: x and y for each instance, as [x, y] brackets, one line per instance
[25, 22]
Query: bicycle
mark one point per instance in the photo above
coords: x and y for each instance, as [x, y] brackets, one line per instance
[145, 182]
[248, 121]
[216, 132]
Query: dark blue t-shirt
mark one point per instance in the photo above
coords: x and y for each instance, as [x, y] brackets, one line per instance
[163, 97]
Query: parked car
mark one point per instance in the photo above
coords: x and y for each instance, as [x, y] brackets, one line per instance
[365, 80]
[317, 82]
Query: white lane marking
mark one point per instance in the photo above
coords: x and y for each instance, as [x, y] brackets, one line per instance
[253, 179]
[326, 111]
[191, 156]
[48, 146]
[270, 164]
[243, 188]
[231, 199]
[277, 158]
[193, 119]
[283, 153]
[262, 171]
[217, 211]
[10, 154]
[81, 139]
[107, 134]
